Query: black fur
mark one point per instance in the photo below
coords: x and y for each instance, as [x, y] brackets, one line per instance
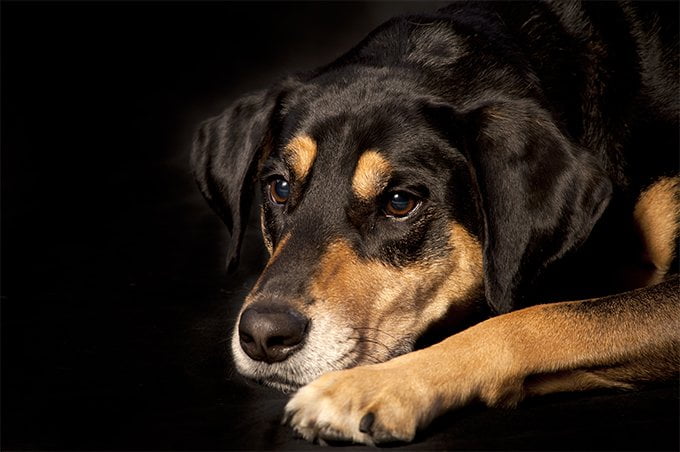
[224, 158]
[519, 120]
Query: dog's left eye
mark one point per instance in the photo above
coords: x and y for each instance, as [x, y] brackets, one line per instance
[400, 204]
[279, 191]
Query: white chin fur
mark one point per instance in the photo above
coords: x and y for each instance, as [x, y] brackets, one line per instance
[328, 346]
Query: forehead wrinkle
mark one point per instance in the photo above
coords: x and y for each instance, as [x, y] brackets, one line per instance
[300, 154]
[371, 175]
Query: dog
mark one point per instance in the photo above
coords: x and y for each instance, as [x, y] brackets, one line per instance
[481, 203]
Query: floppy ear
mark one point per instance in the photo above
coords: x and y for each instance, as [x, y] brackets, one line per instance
[224, 157]
[540, 194]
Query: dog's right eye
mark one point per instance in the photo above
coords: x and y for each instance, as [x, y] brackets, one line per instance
[279, 191]
[400, 205]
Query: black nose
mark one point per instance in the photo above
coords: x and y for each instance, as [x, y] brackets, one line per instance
[271, 333]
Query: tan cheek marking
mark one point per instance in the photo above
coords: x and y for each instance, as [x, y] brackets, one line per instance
[464, 282]
[301, 154]
[345, 281]
[363, 288]
[657, 216]
[377, 293]
[371, 175]
[379, 299]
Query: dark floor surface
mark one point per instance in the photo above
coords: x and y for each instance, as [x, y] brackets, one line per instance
[115, 304]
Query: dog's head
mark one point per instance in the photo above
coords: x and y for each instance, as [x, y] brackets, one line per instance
[384, 212]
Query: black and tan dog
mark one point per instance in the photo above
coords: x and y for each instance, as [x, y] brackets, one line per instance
[450, 173]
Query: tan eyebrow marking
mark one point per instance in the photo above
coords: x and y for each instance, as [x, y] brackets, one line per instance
[300, 153]
[371, 175]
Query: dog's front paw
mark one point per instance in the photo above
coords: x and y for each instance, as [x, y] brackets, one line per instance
[369, 404]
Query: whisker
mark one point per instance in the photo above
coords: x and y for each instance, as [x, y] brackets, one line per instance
[373, 359]
[362, 339]
[375, 329]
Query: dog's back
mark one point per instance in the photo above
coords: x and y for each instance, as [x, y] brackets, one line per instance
[608, 72]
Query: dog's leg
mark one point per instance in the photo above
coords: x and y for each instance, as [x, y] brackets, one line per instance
[616, 341]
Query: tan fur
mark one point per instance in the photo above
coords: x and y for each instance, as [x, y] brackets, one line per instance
[577, 380]
[567, 346]
[657, 217]
[538, 350]
[371, 175]
[300, 154]
[464, 281]
[366, 311]
[388, 299]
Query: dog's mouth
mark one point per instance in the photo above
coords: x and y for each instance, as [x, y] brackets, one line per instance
[280, 383]
[289, 377]
[328, 346]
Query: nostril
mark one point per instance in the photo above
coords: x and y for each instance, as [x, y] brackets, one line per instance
[246, 337]
[283, 341]
[276, 341]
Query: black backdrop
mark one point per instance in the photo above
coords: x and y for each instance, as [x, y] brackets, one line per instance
[116, 308]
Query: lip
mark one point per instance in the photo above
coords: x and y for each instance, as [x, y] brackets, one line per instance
[281, 384]
[307, 364]
[275, 378]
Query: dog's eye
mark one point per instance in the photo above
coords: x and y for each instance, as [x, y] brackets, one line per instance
[279, 191]
[400, 204]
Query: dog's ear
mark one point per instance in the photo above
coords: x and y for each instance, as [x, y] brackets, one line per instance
[540, 194]
[225, 154]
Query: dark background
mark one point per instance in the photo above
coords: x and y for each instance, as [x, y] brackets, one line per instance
[116, 307]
